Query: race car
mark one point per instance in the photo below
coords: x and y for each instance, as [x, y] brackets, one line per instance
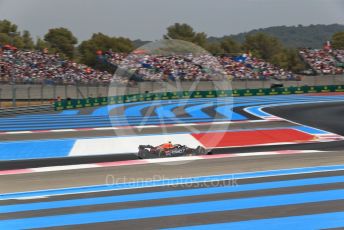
[149, 151]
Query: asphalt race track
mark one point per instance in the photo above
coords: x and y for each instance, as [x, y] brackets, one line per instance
[314, 115]
[284, 186]
[281, 198]
[86, 177]
[327, 116]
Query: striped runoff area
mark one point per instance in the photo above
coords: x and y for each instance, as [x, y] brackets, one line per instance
[210, 139]
[153, 113]
[300, 198]
[97, 146]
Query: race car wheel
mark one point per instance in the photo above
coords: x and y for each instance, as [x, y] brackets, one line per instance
[161, 153]
[200, 150]
[140, 155]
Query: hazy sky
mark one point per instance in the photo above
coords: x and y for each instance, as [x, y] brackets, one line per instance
[148, 19]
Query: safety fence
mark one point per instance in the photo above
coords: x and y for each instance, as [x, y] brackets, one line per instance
[90, 102]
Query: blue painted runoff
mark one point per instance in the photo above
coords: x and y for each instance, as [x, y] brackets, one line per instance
[232, 187]
[35, 149]
[172, 210]
[306, 222]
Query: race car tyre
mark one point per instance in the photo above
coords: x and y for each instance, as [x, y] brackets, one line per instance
[200, 150]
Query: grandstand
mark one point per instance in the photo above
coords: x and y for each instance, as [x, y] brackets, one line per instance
[324, 61]
[36, 67]
[157, 67]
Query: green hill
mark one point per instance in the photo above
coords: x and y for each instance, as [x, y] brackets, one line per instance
[300, 36]
[312, 36]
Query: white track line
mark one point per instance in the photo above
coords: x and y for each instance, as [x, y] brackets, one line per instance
[131, 127]
[150, 161]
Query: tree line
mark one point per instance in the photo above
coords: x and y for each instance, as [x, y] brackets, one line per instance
[62, 41]
[311, 36]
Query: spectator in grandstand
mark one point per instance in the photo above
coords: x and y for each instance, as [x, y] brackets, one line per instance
[323, 61]
[339, 54]
[39, 67]
[190, 67]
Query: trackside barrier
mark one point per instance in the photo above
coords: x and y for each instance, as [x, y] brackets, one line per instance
[90, 102]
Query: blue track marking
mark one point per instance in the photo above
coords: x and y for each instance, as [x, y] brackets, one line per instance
[310, 130]
[70, 112]
[106, 108]
[306, 222]
[143, 184]
[136, 110]
[109, 121]
[190, 101]
[196, 111]
[167, 194]
[100, 118]
[88, 118]
[166, 111]
[123, 123]
[228, 112]
[256, 111]
[35, 149]
[172, 210]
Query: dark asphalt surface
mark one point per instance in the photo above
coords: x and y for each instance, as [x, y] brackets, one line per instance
[326, 116]
[93, 176]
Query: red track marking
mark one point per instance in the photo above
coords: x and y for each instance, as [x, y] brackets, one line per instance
[256, 137]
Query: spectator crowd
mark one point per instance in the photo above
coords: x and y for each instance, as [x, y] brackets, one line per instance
[254, 69]
[30, 67]
[324, 61]
[190, 67]
[339, 54]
